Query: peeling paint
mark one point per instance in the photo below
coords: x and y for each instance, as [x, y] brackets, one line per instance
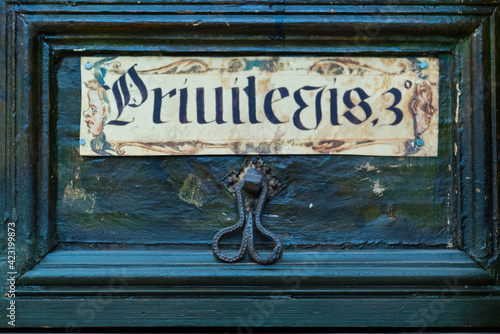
[191, 191]
[366, 167]
[378, 190]
[73, 194]
[459, 92]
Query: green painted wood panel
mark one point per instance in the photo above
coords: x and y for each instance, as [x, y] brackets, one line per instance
[136, 200]
[421, 313]
[330, 200]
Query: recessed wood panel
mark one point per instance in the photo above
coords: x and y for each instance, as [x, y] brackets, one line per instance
[63, 204]
[330, 200]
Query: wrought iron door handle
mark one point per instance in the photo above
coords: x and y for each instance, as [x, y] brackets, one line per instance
[253, 184]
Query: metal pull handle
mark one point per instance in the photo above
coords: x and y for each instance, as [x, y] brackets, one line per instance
[252, 185]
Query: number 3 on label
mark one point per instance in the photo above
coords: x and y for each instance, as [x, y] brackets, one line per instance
[397, 98]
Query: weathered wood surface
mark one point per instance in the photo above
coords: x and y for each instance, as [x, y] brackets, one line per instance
[343, 200]
[180, 266]
[44, 42]
[281, 310]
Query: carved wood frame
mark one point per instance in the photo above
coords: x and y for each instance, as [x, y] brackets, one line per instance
[376, 288]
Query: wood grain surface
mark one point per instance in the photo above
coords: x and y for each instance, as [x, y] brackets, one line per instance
[348, 201]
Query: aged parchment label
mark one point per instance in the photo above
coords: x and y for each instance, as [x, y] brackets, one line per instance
[259, 105]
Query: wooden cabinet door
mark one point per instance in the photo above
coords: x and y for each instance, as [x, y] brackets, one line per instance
[126, 241]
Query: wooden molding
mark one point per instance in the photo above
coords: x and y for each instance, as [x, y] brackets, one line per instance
[390, 287]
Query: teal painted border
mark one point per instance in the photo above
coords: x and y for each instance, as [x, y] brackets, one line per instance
[37, 34]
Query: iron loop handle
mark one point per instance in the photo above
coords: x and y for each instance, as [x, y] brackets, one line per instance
[232, 229]
[278, 246]
[250, 220]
